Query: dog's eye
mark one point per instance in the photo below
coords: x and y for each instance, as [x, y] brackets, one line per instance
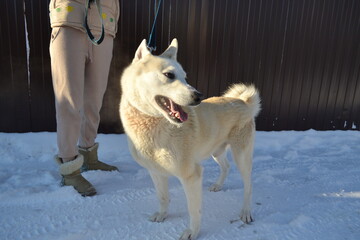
[169, 75]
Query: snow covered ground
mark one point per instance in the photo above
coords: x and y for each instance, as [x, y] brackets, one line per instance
[306, 185]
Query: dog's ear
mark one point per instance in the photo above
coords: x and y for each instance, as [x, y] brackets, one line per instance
[171, 51]
[141, 52]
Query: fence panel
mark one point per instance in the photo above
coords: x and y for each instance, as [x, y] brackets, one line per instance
[304, 56]
[42, 97]
[15, 113]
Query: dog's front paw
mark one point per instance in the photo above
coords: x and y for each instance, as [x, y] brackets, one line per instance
[188, 234]
[246, 217]
[158, 217]
[215, 187]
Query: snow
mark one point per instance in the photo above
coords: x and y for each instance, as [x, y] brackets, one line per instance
[306, 185]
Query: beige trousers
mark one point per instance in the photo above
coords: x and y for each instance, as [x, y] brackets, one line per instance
[80, 73]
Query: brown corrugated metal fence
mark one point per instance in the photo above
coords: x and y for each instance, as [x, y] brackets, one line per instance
[303, 55]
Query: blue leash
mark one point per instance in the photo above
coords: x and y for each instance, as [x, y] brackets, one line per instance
[88, 31]
[152, 38]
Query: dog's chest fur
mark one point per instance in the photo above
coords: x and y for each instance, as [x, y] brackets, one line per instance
[137, 124]
[145, 134]
[155, 143]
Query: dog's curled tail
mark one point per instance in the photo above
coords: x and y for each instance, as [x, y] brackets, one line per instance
[247, 93]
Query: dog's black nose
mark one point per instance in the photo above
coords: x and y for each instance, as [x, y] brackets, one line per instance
[197, 97]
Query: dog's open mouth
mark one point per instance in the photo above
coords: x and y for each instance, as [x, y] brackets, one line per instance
[174, 111]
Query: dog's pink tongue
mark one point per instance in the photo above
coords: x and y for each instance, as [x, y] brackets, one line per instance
[183, 115]
[179, 113]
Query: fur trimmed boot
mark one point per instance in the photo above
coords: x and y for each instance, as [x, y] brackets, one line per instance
[71, 174]
[91, 161]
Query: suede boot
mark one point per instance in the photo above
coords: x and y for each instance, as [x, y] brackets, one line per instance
[91, 161]
[71, 174]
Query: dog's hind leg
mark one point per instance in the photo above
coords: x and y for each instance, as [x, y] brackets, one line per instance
[162, 191]
[220, 158]
[242, 148]
[193, 191]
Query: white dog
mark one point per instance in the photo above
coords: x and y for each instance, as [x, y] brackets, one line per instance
[170, 130]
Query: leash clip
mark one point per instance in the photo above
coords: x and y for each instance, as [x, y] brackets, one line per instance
[152, 41]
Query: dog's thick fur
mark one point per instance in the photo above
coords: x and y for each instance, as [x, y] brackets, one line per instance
[169, 135]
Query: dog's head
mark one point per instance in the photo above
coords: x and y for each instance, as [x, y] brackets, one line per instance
[156, 85]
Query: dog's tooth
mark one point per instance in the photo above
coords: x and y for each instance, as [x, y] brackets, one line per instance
[166, 105]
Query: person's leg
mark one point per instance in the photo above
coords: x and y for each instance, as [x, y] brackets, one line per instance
[96, 78]
[68, 51]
